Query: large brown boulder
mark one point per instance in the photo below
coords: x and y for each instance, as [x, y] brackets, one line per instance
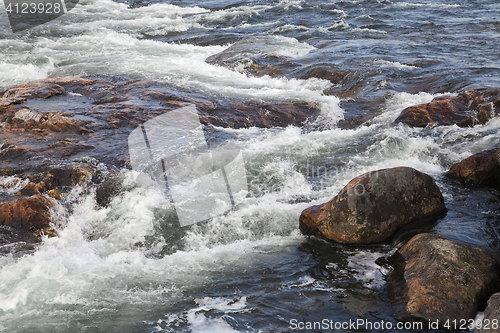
[373, 206]
[491, 320]
[436, 279]
[474, 106]
[481, 169]
[27, 214]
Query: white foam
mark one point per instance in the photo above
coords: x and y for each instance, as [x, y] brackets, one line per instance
[12, 184]
[199, 323]
[366, 270]
[289, 4]
[18, 73]
[219, 303]
[369, 30]
[302, 282]
[393, 64]
[435, 5]
[231, 13]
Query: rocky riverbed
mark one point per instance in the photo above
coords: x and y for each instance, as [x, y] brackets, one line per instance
[62, 133]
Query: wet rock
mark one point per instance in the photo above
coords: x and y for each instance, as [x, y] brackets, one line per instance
[13, 160]
[108, 189]
[440, 111]
[491, 314]
[422, 63]
[11, 100]
[35, 89]
[68, 176]
[257, 114]
[470, 107]
[373, 206]
[481, 169]
[15, 241]
[27, 214]
[439, 279]
[58, 179]
[27, 120]
[247, 56]
[31, 189]
[325, 73]
[70, 119]
[44, 88]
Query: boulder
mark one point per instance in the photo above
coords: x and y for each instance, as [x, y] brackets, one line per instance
[471, 107]
[373, 206]
[436, 279]
[481, 169]
[491, 320]
[27, 214]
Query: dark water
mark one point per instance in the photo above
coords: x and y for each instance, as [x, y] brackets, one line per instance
[251, 271]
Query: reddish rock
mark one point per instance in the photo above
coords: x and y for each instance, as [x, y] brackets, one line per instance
[35, 89]
[56, 194]
[439, 279]
[481, 169]
[31, 189]
[28, 214]
[44, 88]
[441, 111]
[373, 206]
[471, 107]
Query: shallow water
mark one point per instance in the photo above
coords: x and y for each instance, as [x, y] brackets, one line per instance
[120, 269]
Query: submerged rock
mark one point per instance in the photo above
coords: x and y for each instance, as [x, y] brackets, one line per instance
[439, 279]
[491, 320]
[470, 107]
[373, 206]
[481, 169]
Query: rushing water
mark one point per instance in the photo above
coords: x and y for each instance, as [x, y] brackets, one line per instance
[114, 270]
